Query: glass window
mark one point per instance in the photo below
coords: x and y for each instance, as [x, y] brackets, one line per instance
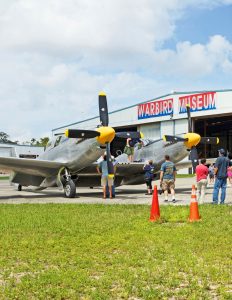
[57, 141]
[48, 145]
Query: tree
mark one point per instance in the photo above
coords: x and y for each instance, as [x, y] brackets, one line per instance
[4, 137]
[33, 141]
[43, 141]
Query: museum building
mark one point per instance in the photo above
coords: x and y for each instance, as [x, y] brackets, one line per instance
[211, 115]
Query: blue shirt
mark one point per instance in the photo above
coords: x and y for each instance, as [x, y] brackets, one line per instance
[149, 172]
[104, 168]
[222, 163]
[168, 168]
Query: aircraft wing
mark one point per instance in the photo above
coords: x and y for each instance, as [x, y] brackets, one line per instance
[126, 173]
[121, 169]
[35, 167]
[133, 168]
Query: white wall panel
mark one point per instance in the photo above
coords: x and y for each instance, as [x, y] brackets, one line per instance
[5, 151]
[151, 131]
[181, 126]
[167, 127]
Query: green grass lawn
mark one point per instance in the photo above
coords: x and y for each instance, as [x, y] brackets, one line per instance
[4, 177]
[185, 175]
[113, 252]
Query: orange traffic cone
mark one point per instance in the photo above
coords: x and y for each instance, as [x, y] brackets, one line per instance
[194, 212]
[155, 211]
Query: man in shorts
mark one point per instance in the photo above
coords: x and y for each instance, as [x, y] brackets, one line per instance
[168, 178]
[102, 169]
[221, 165]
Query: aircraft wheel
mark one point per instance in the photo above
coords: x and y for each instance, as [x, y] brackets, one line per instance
[70, 189]
[19, 188]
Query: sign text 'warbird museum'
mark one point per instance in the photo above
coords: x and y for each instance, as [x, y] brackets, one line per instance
[197, 102]
[155, 109]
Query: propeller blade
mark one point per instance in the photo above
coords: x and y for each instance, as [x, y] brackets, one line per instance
[194, 157]
[103, 110]
[209, 140]
[110, 165]
[129, 134]
[189, 118]
[173, 139]
[79, 133]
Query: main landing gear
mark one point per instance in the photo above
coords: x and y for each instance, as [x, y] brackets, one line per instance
[70, 189]
[69, 186]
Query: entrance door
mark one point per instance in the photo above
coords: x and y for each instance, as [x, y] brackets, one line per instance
[220, 127]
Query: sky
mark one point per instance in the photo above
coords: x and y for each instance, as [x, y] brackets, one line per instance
[56, 56]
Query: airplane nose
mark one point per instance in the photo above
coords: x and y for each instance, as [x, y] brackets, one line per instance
[193, 139]
[107, 134]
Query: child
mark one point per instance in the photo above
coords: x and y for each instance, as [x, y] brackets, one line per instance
[211, 174]
[149, 175]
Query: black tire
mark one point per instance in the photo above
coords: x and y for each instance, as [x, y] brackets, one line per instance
[70, 189]
[19, 188]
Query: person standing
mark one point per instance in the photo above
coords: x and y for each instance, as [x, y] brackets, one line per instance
[229, 170]
[102, 169]
[149, 175]
[229, 174]
[114, 162]
[221, 165]
[168, 178]
[129, 149]
[201, 176]
[211, 174]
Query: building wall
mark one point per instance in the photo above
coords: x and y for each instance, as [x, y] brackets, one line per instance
[11, 150]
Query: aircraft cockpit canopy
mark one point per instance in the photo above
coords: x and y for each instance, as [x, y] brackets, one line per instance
[55, 141]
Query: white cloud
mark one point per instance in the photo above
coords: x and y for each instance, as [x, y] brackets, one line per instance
[194, 60]
[58, 74]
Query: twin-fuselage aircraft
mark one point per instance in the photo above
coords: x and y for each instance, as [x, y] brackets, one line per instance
[69, 160]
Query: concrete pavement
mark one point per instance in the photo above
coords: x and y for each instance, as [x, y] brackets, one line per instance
[124, 194]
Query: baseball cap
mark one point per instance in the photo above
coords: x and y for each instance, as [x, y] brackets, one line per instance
[222, 151]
